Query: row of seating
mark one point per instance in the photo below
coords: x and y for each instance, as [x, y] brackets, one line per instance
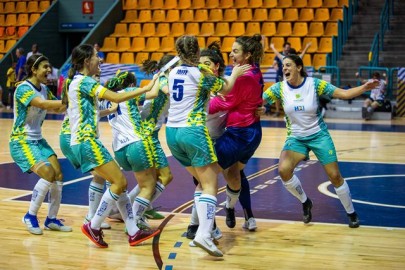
[6, 45]
[316, 60]
[200, 4]
[12, 32]
[24, 7]
[283, 29]
[22, 19]
[230, 15]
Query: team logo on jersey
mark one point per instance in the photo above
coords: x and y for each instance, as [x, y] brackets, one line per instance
[298, 97]
[182, 72]
[299, 108]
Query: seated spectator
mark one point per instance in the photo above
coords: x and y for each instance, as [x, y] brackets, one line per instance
[376, 98]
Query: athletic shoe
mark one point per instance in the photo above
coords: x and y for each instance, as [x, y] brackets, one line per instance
[55, 224]
[191, 244]
[141, 235]
[116, 215]
[191, 231]
[96, 236]
[143, 224]
[216, 233]
[208, 245]
[153, 214]
[32, 224]
[230, 217]
[104, 225]
[354, 221]
[306, 207]
[250, 224]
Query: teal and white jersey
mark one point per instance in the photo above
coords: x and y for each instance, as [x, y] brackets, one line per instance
[83, 112]
[301, 104]
[154, 112]
[28, 119]
[126, 122]
[189, 91]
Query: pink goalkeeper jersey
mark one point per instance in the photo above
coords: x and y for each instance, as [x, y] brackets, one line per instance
[243, 100]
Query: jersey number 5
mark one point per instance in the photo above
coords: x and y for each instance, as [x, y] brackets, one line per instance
[178, 90]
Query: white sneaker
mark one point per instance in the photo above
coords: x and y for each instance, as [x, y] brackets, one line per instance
[216, 233]
[116, 216]
[250, 224]
[55, 224]
[32, 224]
[143, 224]
[208, 245]
[104, 225]
[191, 244]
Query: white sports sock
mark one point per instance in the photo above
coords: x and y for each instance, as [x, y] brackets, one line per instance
[133, 193]
[54, 198]
[96, 191]
[194, 214]
[231, 198]
[159, 188]
[125, 207]
[107, 201]
[295, 188]
[206, 208]
[345, 197]
[139, 207]
[38, 195]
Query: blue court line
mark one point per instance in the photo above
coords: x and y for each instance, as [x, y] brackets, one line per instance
[169, 267]
[172, 256]
[178, 244]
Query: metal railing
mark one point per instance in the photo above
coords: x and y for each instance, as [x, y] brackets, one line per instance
[333, 70]
[389, 77]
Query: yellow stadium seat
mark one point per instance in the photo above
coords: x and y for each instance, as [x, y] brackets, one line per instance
[113, 58]
[306, 14]
[284, 3]
[11, 20]
[255, 3]
[278, 43]
[276, 15]
[267, 85]
[2, 47]
[237, 29]
[134, 30]
[148, 29]
[291, 14]
[241, 4]
[146, 4]
[184, 4]
[44, 5]
[33, 18]
[299, 3]
[201, 41]
[173, 15]
[109, 44]
[269, 29]
[284, 29]
[215, 15]
[260, 15]
[22, 19]
[170, 4]
[198, 4]
[325, 45]
[201, 15]
[319, 59]
[21, 7]
[225, 56]
[9, 44]
[167, 44]
[130, 4]
[127, 58]
[2, 19]
[300, 29]
[295, 43]
[343, 3]
[226, 3]
[192, 29]
[9, 7]
[307, 60]
[130, 16]
[159, 15]
[152, 44]
[32, 7]
[207, 29]
[222, 29]
[1, 7]
[330, 3]
[144, 16]
[144, 82]
[331, 29]
[336, 14]
[269, 3]
[120, 30]
[162, 30]
[187, 15]
[252, 28]
[177, 29]
[156, 56]
[245, 15]
[316, 29]
[137, 44]
[230, 15]
[140, 57]
[267, 60]
[212, 40]
[21, 31]
[211, 3]
[124, 43]
[321, 14]
[227, 43]
[314, 3]
[314, 44]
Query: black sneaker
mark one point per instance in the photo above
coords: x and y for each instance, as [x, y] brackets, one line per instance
[230, 217]
[191, 231]
[354, 221]
[306, 207]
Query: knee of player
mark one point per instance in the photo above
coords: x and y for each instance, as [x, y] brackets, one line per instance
[166, 179]
[285, 171]
[336, 178]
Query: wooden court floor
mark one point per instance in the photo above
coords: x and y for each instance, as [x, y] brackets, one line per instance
[277, 244]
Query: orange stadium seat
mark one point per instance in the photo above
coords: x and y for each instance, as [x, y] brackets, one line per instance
[307, 60]
[295, 43]
[11, 20]
[162, 30]
[331, 29]
[187, 15]
[213, 39]
[144, 16]
[2, 36]
[314, 44]
[109, 44]
[140, 57]
[321, 14]
[207, 29]
[170, 4]
[230, 15]
[201, 41]
[215, 15]
[113, 58]
[299, 3]
[225, 56]
[146, 4]
[173, 15]
[9, 44]
[44, 5]
[245, 15]
[11, 32]
[33, 18]
[21, 7]
[222, 29]
[22, 19]
[319, 59]
[2, 47]
[237, 29]
[167, 44]
[284, 3]
[300, 29]
[314, 3]
[211, 3]
[325, 45]
[255, 3]
[192, 28]
[276, 14]
[241, 4]
[198, 4]
[225, 3]
[144, 83]
[227, 43]
[269, 3]
[252, 28]
[137, 44]
[148, 29]
[1, 7]
[124, 43]
[158, 15]
[152, 44]
[316, 29]
[336, 14]
[291, 14]
[260, 14]
[284, 29]
[130, 4]
[120, 30]
[2, 19]
[32, 6]
[278, 43]
[22, 30]
[184, 4]
[130, 16]
[343, 3]
[134, 30]
[156, 56]
[268, 29]
[9, 7]
[306, 14]
[127, 58]
[268, 59]
[177, 29]
[330, 3]
[201, 15]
